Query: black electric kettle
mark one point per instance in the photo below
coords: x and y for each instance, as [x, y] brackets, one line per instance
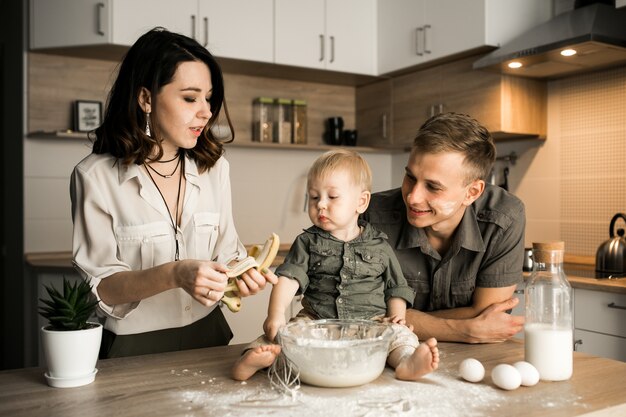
[611, 255]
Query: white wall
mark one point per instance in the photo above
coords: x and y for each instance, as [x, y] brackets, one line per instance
[268, 190]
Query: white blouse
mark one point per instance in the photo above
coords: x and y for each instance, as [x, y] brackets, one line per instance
[121, 224]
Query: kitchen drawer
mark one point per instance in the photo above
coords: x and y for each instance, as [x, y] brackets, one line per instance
[603, 345]
[600, 312]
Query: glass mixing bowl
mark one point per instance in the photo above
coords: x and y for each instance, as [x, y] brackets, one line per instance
[336, 353]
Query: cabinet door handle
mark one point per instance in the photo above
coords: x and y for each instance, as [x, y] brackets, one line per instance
[384, 120]
[440, 108]
[613, 305]
[426, 49]
[99, 8]
[206, 31]
[306, 202]
[321, 48]
[577, 343]
[417, 41]
[432, 110]
[193, 26]
[332, 49]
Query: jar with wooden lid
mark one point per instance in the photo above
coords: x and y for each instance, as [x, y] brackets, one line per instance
[548, 330]
[262, 119]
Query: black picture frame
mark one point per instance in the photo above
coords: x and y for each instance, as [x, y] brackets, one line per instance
[87, 115]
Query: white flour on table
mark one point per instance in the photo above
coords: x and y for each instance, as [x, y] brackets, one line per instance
[441, 393]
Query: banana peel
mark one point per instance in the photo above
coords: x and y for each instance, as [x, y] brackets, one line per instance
[259, 257]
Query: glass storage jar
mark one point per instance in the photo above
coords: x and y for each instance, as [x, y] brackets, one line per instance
[262, 119]
[299, 122]
[283, 118]
[548, 334]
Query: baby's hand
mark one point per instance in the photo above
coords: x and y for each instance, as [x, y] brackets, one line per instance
[272, 324]
[397, 319]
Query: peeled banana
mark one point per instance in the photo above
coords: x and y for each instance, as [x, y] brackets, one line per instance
[259, 258]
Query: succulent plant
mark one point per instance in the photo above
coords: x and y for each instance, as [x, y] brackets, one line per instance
[70, 310]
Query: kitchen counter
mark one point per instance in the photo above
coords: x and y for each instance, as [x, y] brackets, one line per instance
[197, 382]
[577, 269]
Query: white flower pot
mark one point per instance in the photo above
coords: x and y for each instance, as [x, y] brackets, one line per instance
[71, 356]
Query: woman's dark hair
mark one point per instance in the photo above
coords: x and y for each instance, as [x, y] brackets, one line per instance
[454, 132]
[151, 63]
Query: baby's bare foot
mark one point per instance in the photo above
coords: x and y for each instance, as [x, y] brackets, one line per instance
[254, 360]
[424, 360]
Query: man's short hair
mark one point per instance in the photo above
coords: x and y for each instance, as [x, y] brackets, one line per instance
[455, 132]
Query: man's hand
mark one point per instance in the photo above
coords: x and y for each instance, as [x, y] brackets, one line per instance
[494, 324]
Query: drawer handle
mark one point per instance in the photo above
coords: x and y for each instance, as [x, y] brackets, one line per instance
[613, 305]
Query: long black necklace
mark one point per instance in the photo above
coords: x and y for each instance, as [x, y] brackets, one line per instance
[164, 175]
[180, 181]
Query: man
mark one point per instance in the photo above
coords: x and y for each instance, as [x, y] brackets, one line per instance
[460, 241]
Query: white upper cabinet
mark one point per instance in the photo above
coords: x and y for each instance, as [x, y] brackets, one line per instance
[67, 23]
[338, 35]
[239, 29]
[413, 32]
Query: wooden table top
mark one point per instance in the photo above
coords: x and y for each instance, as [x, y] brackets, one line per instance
[197, 383]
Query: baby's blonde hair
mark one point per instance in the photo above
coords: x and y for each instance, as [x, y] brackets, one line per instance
[354, 163]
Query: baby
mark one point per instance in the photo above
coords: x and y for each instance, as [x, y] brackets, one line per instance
[345, 269]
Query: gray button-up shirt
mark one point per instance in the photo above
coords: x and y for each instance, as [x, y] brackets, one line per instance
[345, 279]
[487, 249]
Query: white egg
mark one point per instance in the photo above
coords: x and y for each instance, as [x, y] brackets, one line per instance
[530, 375]
[472, 370]
[506, 377]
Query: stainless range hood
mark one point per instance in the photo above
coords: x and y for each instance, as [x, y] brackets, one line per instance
[596, 31]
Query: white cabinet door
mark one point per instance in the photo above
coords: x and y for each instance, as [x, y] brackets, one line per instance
[599, 344]
[132, 18]
[400, 23]
[452, 26]
[300, 33]
[239, 29]
[58, 23]
[338, 35]
[351, 36]
[413, 32]
[61, 23]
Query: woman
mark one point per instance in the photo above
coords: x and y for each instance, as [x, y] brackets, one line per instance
[151, 206]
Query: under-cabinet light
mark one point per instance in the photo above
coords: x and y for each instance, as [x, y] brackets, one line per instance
[568, 52]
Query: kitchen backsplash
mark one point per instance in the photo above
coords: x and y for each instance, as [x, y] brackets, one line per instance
[575, 181]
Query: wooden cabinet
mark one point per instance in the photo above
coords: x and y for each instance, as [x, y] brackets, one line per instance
[374, 113]
[600, 323]
[508, 107]
[336, 35]
[235, 29]
[414, 32]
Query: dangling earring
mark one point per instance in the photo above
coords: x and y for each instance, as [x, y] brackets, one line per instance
[148, 133]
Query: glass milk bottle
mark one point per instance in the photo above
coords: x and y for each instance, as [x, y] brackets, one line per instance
[548, 338]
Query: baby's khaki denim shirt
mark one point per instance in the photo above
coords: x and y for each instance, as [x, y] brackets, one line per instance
[346, 280]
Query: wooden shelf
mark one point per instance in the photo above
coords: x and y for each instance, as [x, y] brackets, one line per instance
[69, 134]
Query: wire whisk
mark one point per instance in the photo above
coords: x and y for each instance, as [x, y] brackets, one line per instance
[284, 375]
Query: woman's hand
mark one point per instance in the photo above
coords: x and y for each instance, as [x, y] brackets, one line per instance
[253, 281]
[205, 281]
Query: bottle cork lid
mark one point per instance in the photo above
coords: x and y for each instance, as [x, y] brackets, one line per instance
[542, 251]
